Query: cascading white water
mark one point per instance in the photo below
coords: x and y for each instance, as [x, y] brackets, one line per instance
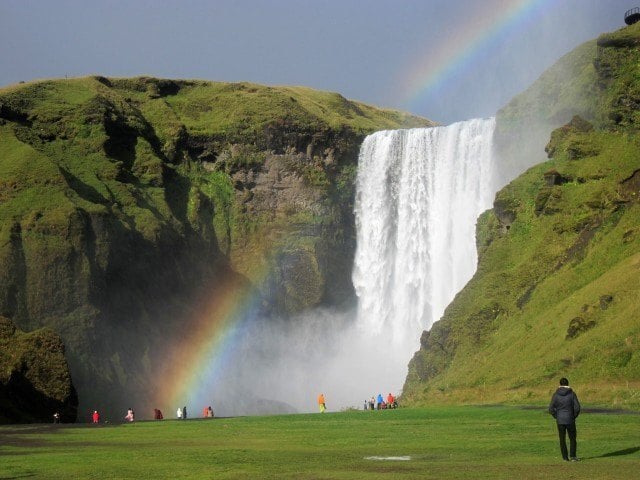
[418, 195]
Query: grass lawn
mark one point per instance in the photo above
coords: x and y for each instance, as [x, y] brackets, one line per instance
[436, 442]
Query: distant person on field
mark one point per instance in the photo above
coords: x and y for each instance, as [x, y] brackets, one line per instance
[391, 401]
[372, 403]
[130, 415]
[179, 413]
[321, 403]
[157, 414]
[210, 412]
[184, 413]
[380, 401]
[95, 417]
[56, 417]
[565, 408]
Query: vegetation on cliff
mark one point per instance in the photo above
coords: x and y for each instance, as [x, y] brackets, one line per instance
[556, 289]
[35, 381]
[124, 202]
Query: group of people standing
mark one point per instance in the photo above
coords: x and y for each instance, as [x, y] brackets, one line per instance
[380, 404]
[181, 414]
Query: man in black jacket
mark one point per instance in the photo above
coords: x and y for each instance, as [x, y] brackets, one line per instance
[565, 408]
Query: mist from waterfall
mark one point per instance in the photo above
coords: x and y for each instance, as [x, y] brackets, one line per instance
[418, 195]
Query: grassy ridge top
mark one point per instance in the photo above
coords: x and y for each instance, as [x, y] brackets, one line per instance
[211, 107]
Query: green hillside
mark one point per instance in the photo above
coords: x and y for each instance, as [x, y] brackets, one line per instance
[125, 203]
[558, 281]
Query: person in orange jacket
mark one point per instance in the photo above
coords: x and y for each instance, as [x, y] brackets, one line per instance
[321, 403]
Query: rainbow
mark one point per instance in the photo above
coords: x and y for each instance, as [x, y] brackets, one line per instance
[469, 42]
[193, 364]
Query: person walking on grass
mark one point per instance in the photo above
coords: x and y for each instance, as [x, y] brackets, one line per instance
[321, 405]
[565, 408]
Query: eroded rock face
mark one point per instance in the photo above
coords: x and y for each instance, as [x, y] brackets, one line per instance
[303, 237]
[35, 381]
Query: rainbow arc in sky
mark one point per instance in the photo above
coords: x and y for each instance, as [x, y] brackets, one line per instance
[474, 36]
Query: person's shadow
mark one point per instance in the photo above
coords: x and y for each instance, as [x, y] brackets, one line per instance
[617, 453]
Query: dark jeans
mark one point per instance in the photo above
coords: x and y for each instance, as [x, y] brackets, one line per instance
[571, 430]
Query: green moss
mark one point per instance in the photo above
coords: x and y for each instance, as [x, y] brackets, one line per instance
[34, 376]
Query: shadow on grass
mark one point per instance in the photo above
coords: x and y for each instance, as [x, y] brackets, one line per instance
[618, 453]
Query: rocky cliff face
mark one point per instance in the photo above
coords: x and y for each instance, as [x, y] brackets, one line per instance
[126, 201]
[35, 381]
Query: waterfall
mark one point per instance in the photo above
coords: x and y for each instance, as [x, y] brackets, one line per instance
[418, 195]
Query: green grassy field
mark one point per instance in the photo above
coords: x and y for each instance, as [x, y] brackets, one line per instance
[437, 442]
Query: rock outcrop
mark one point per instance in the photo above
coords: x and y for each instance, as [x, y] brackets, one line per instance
[35, 382]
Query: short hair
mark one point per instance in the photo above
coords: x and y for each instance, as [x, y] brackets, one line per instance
[564, 382]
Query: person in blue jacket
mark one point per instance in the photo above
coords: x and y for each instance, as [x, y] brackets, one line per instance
[565, 408]
[380, 401]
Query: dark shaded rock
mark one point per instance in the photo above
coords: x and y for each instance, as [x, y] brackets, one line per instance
[577, 326]
[35, 381]
[630, 187]
[547, 201]
[505, 211]
[525, 297]
[605, 300]
[553, 177]
[570, 139]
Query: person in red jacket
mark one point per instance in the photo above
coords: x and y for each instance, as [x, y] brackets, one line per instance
[95, 417]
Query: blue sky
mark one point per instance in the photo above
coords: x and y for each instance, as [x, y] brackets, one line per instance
[363, 49]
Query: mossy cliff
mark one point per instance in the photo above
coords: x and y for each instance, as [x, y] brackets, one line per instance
[35, 381]
[558, 280]
[125, 201]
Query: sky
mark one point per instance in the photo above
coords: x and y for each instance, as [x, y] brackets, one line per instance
[447, 60]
